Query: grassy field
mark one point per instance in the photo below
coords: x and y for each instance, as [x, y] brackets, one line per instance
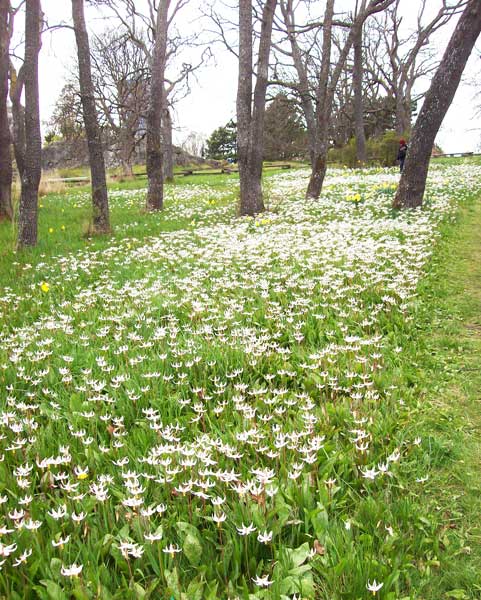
[207, 406]
[450, 352]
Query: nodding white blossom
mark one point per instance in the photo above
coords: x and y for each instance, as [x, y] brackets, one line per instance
[246, 529]
[263, 581]
[7, 549]
[78, 517]
[61, 541]
[422, 479]
[72, 571]
[31, 524]
[130, 549]
[58, 513]
[369, 473]
[171, 549]
[265, 537]
[20, 560]
[219, 518]
[374, 586]
[153, 537]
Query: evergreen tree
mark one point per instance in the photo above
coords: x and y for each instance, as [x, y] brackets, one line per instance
[284, 131]
[222, 144]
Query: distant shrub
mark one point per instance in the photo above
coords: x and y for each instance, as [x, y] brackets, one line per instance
[380, 150]
[345, 156]
[383, 150]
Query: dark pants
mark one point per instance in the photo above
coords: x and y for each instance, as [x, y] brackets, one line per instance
[401, 164]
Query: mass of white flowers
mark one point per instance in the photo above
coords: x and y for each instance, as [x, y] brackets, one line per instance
[202, 366]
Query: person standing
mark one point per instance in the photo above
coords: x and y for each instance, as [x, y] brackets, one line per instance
[401, 155]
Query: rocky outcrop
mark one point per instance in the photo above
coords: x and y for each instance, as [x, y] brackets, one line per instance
[74, 154]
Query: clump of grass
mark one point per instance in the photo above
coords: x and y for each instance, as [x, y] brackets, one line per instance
[51, 184]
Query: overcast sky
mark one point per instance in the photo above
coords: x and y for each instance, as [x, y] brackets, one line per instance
[212, 100]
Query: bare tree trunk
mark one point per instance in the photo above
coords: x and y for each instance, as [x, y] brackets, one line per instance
[319, 162]
[101, 217]
[407, 109]
[250, 113]
[403, 118]
[18, 113]
[168, 148]
[6, 211]
[28, 209]
[155, 194]
[438, 99]
[248, 205]
[324, 108]
[303, 87]
[127, 168]
[357, 78]
[127, 150]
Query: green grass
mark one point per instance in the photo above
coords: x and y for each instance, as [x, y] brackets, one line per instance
[457, 160]
[451, 359]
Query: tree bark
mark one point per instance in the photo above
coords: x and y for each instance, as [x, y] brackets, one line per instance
[155, 194]
[100, 201]
[250, 112]
[319, 162]
[127, 150]
[18, 113]
[324, 107]
[6, 211]
[28, 208]
[357, 78]
[403, 116]
[304, 89]
[437, 101]
[168, 149]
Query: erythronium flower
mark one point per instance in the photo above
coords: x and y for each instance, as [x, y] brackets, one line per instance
[370, 473]
[219, 518]
[59, 513]
[4, 530]
[153, 537]
[129, 549]
[73, 571]
[22, 558]
[262, 581]
[32, 525]
[374, 587]
[78, 518]
[81, 473]
[266, 537]
[61, 542]
[246, 529]
[171, 549]
[6, 550]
